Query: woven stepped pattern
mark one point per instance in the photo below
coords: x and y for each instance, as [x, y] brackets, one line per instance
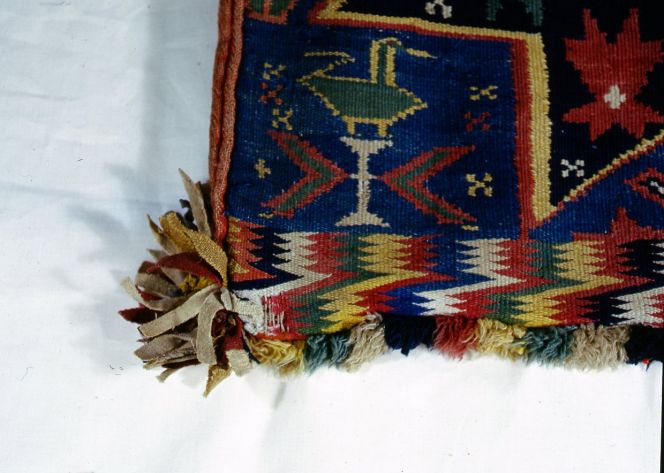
[480, 176]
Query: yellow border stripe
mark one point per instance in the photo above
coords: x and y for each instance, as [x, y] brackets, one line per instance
[540, 133]
[643, 147]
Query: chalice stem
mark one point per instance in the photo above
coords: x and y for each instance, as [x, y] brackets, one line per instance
[363, 149]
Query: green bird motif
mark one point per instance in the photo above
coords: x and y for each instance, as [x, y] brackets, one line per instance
[377, 100]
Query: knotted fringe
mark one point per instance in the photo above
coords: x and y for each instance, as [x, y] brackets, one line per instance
[645, 344]
[321, 349]
[453, 335]
[492, 336]
[286, 357]
[367, 342]
[598, 347]
[187, 316]
[548, 345]
[406, 333]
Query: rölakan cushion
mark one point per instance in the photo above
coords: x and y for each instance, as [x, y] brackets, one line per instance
[484, 176]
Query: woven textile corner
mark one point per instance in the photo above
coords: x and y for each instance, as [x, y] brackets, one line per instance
[483, 176]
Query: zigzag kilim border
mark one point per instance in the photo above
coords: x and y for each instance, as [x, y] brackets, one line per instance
[471, 176]
[328, 282]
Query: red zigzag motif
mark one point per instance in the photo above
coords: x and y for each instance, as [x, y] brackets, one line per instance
[320, 175]
[409, 182]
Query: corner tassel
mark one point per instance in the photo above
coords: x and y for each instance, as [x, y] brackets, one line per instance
[187, 315]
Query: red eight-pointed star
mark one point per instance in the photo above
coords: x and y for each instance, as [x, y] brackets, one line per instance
[615, 73]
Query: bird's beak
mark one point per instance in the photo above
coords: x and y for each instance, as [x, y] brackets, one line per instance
[419, 53]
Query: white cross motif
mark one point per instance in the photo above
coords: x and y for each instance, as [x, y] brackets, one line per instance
[614, 98]
[445, 10]
[570, 168]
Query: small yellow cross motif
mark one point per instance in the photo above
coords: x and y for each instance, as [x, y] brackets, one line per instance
[271, 71]
[282, 118]
[482, 185]
[476, 93]
[262, 169]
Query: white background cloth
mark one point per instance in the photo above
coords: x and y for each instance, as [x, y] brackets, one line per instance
[100, 102]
